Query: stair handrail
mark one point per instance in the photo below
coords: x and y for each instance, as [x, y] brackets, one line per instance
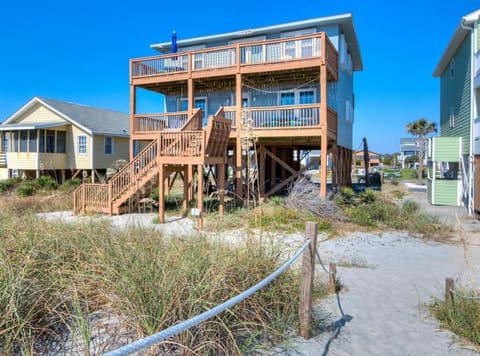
[195, 122]
[141, 163]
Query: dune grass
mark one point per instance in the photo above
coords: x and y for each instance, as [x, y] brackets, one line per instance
[461, 317]
[53, 276]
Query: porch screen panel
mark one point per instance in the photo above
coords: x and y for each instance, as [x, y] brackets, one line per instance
[23, 141]
[50, 141]
[61, 141]
[15, 142]
[32, 142]
[41, 141]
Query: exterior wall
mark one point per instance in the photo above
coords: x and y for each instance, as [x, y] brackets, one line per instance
[22, 160]
[446, 149]
[444, 192]
[120, 151]
[75, 160]
[455, 93]
[3, 173]
[52, 161]
[39, 114]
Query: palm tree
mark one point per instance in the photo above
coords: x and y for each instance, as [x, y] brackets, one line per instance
[421, 127]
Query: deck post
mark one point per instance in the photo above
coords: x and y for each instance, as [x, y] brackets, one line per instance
[238, 143]
[185, 187]
[261, 168]
[323, 122]
[221, 188]
[161, 193]
[238, 167]
[190, 96]
[132, 115]
[190, 182]
[200, 196]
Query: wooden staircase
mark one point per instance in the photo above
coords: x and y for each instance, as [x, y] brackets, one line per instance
[189, 145]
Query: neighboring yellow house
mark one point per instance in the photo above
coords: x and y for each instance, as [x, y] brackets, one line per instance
[64, 140]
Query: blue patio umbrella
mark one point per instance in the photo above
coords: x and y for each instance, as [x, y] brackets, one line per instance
[174, 42]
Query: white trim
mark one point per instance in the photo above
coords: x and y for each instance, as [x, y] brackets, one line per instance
[77, 145]
[37, 100]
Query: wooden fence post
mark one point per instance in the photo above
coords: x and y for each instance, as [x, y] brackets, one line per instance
[306, 284]
[332, 278]
[449, 288]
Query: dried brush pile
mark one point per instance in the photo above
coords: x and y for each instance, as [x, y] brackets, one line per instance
[303, 195]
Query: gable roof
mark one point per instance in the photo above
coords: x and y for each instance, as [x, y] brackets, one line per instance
[344, 21]
[93, 120]
[456, 41]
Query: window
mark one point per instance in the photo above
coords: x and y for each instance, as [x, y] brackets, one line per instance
[108, 145]
[50, 141]
[32, 142]
[23, 141]
[307, 48]
[452, 117]
[287, 98]
[183, 104]
[289, 50]
[82, 144]
[61, 139]
[201, 103]
[306, 97]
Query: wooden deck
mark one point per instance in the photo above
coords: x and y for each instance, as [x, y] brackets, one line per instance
[181, 147]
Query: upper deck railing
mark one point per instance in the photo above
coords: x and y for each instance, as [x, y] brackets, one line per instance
[237, 55]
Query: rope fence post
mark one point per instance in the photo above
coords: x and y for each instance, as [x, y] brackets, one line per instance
[449, 288]
[306, 284]
[332, 278]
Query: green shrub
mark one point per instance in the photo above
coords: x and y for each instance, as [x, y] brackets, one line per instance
[367, 196]
[46, 182]
[154, 194]
[26, 189]
[74, 182]
[9, 183]
[346, 196]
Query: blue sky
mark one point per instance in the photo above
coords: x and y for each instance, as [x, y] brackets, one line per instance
[79, 51]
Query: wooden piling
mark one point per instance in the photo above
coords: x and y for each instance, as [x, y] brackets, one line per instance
[306, 284]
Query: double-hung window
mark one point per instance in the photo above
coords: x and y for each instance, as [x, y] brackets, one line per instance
[82, 144]
[108, 145]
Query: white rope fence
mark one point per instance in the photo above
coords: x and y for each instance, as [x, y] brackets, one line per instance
[184, 325]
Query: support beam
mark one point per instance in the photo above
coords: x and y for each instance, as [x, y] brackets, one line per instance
[132, 114]
[200, 196]
[161, 193]
[190, 97]
[221, 188]
[261, 171]
[186, 185]
[323, 122]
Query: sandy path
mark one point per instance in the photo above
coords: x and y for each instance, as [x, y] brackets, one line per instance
[388, 281]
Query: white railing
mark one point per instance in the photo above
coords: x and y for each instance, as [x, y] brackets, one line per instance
[281, 116]
[280, 50]
[215, 59]
[157, 65]
[159, 122]
[258, 52]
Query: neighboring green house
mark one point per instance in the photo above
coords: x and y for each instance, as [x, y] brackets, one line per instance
[63, 140]
[454, 157]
